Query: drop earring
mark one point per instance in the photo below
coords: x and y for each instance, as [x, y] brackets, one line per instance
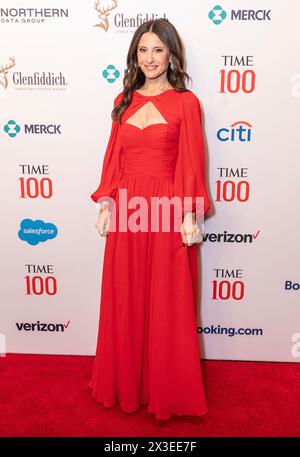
[171, 64]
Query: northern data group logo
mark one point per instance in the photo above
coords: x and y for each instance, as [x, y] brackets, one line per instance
[27, 14]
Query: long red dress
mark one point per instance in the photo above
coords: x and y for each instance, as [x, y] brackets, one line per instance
[147, 350]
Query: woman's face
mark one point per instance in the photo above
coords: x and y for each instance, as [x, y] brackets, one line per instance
[152, 55]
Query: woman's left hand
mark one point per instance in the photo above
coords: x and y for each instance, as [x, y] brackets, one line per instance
[190, 231]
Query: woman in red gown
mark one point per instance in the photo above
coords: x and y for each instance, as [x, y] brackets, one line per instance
[147, 350]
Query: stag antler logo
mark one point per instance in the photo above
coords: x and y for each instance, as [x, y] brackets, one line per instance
[104, 12]
[4, 71]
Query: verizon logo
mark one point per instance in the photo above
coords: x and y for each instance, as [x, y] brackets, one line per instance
[41, 327]
[231, 237]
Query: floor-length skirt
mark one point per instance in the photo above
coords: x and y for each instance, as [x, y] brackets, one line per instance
[148, 349]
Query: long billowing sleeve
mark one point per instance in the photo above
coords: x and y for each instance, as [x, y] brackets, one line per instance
[189, 179]
[111, 163]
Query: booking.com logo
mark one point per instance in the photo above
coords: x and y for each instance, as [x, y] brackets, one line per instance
[111, 74]
[2, 345]
[12, 128]
[217, 14]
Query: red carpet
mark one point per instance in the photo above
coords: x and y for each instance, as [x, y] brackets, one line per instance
[47, 395]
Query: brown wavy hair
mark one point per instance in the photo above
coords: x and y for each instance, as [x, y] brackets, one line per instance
[134, 78]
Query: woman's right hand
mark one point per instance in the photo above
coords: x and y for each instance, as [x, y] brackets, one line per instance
[190, 231]
[103, 219]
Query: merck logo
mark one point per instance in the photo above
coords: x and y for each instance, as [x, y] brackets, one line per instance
[217, 15]
[111, 74]
[12, 128]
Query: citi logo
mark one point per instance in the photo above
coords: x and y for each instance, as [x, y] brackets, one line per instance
[238, 131]
[217, 15]
[231, 237]
[111, 74]
[12, 129]
[41, 327]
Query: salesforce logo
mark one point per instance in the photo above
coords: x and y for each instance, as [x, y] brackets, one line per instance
[111, 74]
[238, 131]
[35, 232]
[217, 14]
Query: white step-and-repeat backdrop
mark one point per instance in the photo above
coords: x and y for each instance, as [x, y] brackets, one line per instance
[61, 66]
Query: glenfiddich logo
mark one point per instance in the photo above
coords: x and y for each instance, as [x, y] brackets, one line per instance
[104, 12]
[4, 71]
